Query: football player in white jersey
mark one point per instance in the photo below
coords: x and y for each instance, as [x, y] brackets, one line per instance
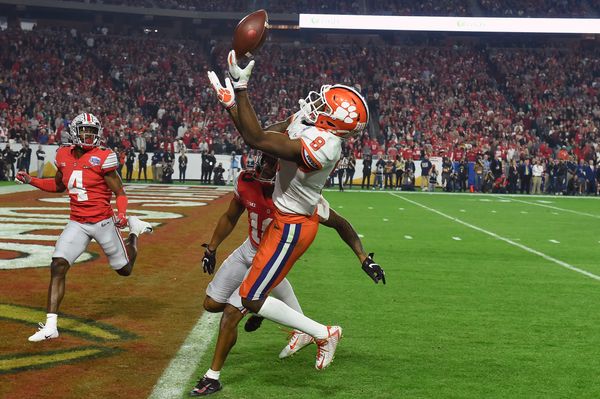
[253, 193]
[308, 153]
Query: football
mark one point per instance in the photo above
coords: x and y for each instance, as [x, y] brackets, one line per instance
[250, 33]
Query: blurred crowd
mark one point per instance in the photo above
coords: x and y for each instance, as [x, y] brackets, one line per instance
[459, 101]
[489, 8]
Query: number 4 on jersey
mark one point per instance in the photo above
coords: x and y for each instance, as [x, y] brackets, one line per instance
[76, 185]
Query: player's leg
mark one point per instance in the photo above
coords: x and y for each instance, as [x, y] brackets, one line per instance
[226, 340]
[70, 245]
[121, 256]
[281, 245]
[228, 277]
[297, 339]
[219, 292]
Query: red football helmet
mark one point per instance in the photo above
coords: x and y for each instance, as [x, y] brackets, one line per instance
[338, 108]
[266, 167]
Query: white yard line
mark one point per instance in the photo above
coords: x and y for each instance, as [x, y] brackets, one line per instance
[507, 240]
[472, 195]
[556, 208]
[174, 381]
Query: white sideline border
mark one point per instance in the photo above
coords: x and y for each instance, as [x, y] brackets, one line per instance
[473, 195]
[174, 379]
[556, 208]
[507, 240]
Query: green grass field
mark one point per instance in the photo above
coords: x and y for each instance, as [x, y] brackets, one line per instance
[464, 314]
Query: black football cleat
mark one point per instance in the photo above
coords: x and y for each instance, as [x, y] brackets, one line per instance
[206, 386]
[253, 323]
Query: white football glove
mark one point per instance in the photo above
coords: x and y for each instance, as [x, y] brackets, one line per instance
[225, 94]
[239, 76]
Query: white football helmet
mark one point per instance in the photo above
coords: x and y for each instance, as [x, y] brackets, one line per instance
[86, 131]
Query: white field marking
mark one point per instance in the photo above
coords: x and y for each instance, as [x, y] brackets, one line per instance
[557, 208]
[524, 212]
[544, 202]
[361, 236]
[462, 210]
[494, 212]
[555, 213]
[507, 240]
[340, 206]
[442, 193]
[370, 207]
[386, 220]
[173, 381]
[554, 241]
[410, 238]
[456, 238]
[16, 188]
[504, 200]
[400, 209]
[485, 200]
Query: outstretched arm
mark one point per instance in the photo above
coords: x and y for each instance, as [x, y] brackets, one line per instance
[225, 226]
[226, 223]
[234, 96]
[52, 185]
[346, 233]
[278, 145]
[350, 237]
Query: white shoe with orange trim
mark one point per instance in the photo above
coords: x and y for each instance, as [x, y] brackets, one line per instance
[298, 340]
[326, 347]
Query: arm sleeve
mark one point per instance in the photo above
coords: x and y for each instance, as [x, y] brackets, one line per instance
[236, 193]
[323, 209]
[309, 157]
[110, 163]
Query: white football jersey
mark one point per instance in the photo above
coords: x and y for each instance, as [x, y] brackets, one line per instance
[298, 188]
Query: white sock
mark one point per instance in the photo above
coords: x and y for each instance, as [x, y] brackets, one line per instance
[284, 292]
[277, 311]
[213, 374]
[51, 321]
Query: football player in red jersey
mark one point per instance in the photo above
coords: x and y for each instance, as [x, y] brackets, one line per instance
[253, 191]
[88, 171]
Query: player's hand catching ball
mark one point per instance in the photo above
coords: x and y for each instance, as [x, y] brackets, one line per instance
[373, 269]
[120, 220]
[22, 177]
[225, 94]
[209, 261]
[239, 76]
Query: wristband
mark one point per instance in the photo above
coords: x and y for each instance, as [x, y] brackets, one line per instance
[122, 204]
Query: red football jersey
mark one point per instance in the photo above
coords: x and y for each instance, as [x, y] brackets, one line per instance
[84, 178]
[256, 198]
